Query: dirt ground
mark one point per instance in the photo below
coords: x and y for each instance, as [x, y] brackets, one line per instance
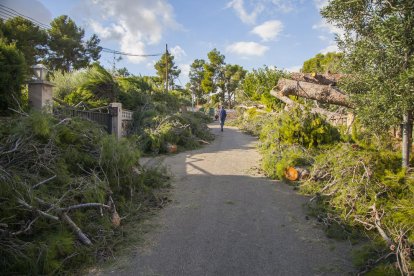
[226, 218]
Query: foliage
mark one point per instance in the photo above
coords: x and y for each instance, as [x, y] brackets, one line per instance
[186, 130]
[232, 79]
[257, 85]
[196, 76]
[213, 71]
[251, 121]
[379, 56]
[161, 68]
[299, 127]
[28, 38]
[12, 76]
[323, 63]
[98, 88]
[366, 188]
[67, 48]
[278, 158]
[89, 166]
[66, 83]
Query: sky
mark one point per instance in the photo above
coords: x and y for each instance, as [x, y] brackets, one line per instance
[251, 33]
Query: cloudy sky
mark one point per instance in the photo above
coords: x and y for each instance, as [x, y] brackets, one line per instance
[251, 33]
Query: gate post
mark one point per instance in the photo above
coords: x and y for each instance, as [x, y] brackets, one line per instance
[116, 119]
[40, 90]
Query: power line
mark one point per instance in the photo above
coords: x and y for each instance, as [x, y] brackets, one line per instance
[8, 13]
[16, 13]
[110, 51]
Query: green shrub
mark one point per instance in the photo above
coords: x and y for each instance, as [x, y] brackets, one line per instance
[12, 77]
[89, 166]
[277, 160]
[299, 127]
[97, 89]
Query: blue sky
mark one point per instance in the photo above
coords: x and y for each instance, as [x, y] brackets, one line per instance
[251, 33]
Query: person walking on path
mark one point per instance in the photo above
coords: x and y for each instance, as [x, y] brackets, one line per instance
[223, 115]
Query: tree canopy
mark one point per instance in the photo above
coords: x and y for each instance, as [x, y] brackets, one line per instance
[161, 68]
[28, 38]
[67, 48]
[258, 83]
[196, 76]
[12, 75]
[213, 71]
[378, 43]
[323, 63]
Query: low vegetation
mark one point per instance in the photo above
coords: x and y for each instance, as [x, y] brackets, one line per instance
[67, 189]
[356, 182]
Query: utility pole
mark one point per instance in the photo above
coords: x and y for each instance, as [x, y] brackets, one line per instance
[166, 68]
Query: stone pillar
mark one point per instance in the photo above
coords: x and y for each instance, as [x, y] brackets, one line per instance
[40, 95]
[116, 124]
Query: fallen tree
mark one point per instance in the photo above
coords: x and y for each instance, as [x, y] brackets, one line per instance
[324, 79]
[289, 102]
[321, 93]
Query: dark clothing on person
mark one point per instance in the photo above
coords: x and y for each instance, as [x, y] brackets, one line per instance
[223, 115]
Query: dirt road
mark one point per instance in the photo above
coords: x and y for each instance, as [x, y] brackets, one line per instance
[226, 219]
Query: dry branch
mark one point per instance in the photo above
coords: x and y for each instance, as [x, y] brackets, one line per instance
[83, 205]
[43, 182]
[81, 236]
[321, 93]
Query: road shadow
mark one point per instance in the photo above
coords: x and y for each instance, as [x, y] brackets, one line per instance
[226, 218]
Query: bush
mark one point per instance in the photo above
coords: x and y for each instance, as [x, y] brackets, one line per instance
[183, 129]
[299, 127]
[12, 77]
[48, 165]
[366, 188]
[97, 89]
[276, 160]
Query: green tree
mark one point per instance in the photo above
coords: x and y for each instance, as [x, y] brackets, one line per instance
[12, 76]
[98, 88]
[379, 55]
[214, 72]
[232, 80]
[28, 38]
[321, 63]
[67, 48]
[258, 83]
[161, 68]
[196, 76]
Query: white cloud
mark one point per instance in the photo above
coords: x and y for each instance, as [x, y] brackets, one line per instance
[248, 11]
[178, 52]
[330, 48]
[325, 26]
[269, 30]
[284, 5]
[319, 4]
[243, 14]
[295, 68]
[323, 38]
[185, 69]
[244, 48]
[134, 24]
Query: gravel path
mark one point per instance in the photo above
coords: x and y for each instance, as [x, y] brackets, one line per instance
[227, 219]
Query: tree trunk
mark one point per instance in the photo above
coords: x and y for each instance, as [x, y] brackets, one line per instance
[330, 115]
[406, 139]
[321, 93]
[325, 79]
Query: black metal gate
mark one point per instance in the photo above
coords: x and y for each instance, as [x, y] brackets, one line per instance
[102, 118]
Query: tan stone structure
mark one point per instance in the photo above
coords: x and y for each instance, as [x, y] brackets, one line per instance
[41, 95]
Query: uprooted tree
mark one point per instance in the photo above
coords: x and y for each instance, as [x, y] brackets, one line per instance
[378, 42]
[315, 87]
